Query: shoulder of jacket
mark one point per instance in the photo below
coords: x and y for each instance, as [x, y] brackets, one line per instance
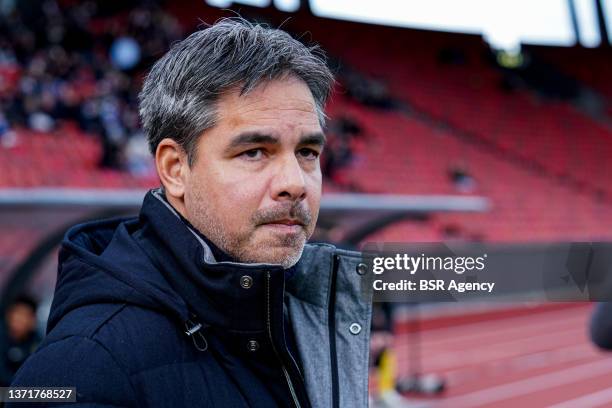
[84, 321]
[83, 363]
[138, 338]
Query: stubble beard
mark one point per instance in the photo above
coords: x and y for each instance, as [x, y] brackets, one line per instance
[285, 250]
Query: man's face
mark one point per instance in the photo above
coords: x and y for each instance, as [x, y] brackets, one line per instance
[255, 186]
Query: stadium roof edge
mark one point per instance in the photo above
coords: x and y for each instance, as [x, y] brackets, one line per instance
[130, 198]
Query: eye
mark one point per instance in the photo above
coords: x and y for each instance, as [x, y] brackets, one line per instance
[253, 154]
[309, 154]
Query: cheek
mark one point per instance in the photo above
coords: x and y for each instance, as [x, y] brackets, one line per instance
[236, 196]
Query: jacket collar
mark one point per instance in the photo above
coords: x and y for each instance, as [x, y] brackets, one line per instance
[214, 290]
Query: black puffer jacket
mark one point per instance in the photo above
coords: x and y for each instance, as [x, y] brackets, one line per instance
[144, 316]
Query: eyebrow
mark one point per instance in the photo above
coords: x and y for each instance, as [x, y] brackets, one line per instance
[250, 138]
[317, 138]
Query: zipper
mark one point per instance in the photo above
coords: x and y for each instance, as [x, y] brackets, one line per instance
[295, 364]
[269, 326]
[331, 324]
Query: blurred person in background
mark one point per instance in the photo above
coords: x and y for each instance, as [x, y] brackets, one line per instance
[601, 326]
[18, 337]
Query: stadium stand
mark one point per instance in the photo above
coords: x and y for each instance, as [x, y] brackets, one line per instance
[66, 157]
[403, 148]
[591, 70]
[415, 112]
[523, 151]
[444, 106]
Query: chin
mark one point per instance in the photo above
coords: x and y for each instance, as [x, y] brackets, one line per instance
[287, 257]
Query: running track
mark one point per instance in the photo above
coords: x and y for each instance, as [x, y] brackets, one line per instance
[539, 359]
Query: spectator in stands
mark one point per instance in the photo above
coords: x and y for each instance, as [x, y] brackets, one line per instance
[368, 91]
[452, 233]
[347, 125]
[64, 61]
[462, 179]
[7, 136]
[18, 337]
[211, 297]
[339, 155]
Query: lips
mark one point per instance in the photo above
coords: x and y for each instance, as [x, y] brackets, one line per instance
[286, 222]
[285, 226]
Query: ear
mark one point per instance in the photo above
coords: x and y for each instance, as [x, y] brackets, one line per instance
[172, 167]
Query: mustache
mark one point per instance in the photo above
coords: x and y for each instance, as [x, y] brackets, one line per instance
[296, 211]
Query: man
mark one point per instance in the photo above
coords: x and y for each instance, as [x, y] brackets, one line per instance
[211, 297]
[18, 336]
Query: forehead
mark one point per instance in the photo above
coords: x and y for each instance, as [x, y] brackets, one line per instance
[281, 103]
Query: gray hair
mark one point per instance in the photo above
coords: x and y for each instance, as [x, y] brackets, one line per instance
[179, 96]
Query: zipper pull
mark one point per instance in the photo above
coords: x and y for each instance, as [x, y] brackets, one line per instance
[192, 329]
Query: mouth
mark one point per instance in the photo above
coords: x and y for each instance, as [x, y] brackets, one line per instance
[286, 221]
[285, 225]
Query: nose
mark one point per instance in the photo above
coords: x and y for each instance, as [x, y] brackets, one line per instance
[289, 182]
